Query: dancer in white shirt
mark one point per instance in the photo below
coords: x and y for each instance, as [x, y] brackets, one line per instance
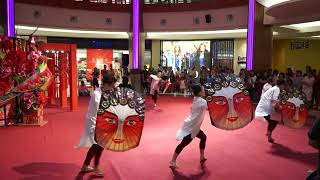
[88, 137]
[191, 126]
[269, 107]
[155, 87]
[267, 86]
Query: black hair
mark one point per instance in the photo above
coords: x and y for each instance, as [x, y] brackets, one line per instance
[108, 79]
[197, 89]
[280, 82]
[125, 80]
[270, 80]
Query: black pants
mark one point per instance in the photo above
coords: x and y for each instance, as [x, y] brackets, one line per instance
[315, 175]
[272, 124]
[155, 96]
[95, 82]
[187, 140]
[94, 151]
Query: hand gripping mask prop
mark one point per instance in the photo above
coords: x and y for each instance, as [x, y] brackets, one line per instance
[229, 103]
[294, 108]
[120, 120]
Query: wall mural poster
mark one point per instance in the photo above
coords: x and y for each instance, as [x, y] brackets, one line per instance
[98, 58]
[186, 54]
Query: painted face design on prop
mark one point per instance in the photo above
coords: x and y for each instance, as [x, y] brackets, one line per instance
[294, 108]
[229, 103]
[120, 120]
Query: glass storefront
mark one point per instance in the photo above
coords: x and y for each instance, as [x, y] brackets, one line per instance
[185, 54]
[223, 53]
[198, 53]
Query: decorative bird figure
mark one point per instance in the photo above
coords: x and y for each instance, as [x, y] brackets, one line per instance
[40, 81]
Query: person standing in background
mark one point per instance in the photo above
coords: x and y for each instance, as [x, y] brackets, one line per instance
[251, 85]
[275, 75]
[297, 80]
[104, 71]
[178, 73]
[145, 76]
[125, 83]
[192, 74]
[95, 78]
[160, 68]
[307, 87]
[316, 89]
[203, 75]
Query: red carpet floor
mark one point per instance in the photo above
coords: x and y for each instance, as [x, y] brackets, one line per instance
[33, 153]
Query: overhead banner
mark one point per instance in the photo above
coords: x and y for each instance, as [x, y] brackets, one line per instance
[98, 58]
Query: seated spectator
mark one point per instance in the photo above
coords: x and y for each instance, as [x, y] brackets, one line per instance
[125, 82]
[83, 91]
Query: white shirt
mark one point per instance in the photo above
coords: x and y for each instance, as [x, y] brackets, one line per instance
[267, 102]
[193, 122]
[154, 84]
[87, 138]
[266, 86]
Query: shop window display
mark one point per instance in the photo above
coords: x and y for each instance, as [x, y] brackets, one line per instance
[223, 52]
[186, 54]
[88, 59]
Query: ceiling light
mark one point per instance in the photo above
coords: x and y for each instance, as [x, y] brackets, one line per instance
[56, 30]
[197, 32]
[269, 3]
[316, 36]
[275, 33]
[304, 25]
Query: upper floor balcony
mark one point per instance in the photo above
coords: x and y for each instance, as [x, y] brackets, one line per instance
[148, 5]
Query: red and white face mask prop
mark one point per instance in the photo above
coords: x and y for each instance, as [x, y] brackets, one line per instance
[229, 105]
[294, 109]
[120, 120]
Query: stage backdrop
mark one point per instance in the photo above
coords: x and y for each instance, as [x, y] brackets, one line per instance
[186, 54]
[98, 58]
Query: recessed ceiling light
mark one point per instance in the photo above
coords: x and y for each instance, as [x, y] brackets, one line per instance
[304, 25]
[269, 3]
[198, 32]
[57, 30]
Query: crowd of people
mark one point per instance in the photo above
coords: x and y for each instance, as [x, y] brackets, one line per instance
[181, 81]
[121, 76]
[177, 81]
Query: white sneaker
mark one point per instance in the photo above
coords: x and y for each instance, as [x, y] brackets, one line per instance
[98, 173]
[172, 165]
[86, 169]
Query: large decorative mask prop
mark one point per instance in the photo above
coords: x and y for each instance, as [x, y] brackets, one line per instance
[120, 120]
[294, 108]
[229, 103]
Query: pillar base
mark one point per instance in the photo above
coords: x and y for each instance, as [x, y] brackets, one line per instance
[135, 76]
